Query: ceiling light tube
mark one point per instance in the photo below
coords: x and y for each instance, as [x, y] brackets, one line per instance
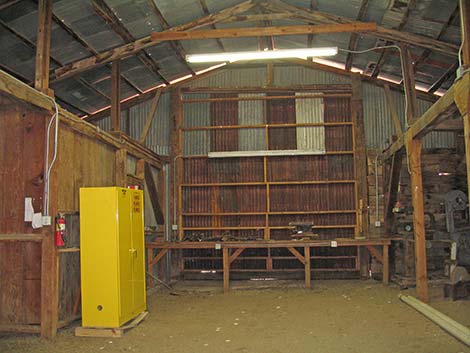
[260, 55]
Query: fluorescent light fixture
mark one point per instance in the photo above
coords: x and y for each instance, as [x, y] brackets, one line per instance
[259, 55]
[262, 153]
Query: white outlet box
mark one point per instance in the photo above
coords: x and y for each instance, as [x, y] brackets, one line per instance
[174, 227]
[334, 244]
[378, 224]
[218, 246]
[46, 220]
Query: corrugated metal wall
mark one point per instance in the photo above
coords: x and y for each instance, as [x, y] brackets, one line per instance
[158, 138]
[377, 118]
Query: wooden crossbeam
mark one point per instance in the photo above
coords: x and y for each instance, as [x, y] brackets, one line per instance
[381, 32]
[153, 193]
[445, 76]
[150, 117]
[116, 96]
[264, 31]
[158, 257]
[393, 110]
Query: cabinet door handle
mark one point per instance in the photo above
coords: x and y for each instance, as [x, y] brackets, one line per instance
[133, 251]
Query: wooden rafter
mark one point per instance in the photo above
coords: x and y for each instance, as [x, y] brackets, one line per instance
[145, 42]
[107, 14]
[261, 17]
[206, 12]
[88, 47]
[176, 46]
[444, 77]
[426, 53]
[381, 32]
[354, 39]
[7, 3]
[264, 31]
[385, 53]
[313, 7]
[115, 96]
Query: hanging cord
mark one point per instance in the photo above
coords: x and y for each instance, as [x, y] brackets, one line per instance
[48, 167]
[402, 71]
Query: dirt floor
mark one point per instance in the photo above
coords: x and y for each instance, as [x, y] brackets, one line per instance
[335, 316]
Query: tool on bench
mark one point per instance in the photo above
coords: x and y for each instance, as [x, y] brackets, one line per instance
[302, 230]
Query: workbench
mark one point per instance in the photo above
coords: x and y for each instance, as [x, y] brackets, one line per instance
[232, 249]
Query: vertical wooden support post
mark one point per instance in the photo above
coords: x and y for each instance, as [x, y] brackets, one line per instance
[269, 74]
[150, 267]
[49, 286]
[414, 149]
[226, 265]
[465, 29]
[43, 47]
[385, 266]
[115, 96]
[308, 274]
[360, 155]
[121, 168]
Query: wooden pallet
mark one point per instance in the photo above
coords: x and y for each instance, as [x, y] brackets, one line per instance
[112, 331]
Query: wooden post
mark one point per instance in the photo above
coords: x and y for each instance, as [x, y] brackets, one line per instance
[43, 47]
[115, 96]
[49, 286]
[385, 265]
[465, 29]
[179, 163]
[414, 152]
[150, 117]
[391, 190]
[226, 264]
[121, 168]
[360, 156]
[414, 149]
[307, 267]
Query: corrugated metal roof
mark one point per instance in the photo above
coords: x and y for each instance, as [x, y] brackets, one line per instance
[140, 19]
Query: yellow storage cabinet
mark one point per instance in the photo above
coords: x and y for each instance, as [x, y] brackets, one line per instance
[111, 255]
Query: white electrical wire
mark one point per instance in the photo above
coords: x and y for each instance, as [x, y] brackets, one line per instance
[402, 73]
[48, 167]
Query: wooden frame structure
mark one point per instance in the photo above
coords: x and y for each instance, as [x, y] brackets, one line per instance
[231, 251]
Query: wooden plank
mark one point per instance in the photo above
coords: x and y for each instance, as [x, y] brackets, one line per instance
[34, 329]
[409, 83]
[263, 31]
[414, 153]
[297, 254]
[129, 49]
[354, 39]
[109, 332]
[235, 254]
[153, 194]
[375, 253]
[121, 168]
[43, 49]
[360, 157]
[49, 286]
[226, 266]
[158, 257]
[115, 96]
[150, 117]
[308, 275]
[393, 110]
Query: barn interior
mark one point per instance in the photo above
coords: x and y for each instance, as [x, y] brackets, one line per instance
[289, 200]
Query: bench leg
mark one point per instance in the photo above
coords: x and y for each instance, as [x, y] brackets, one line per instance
[385, 265]
[226, 263]
[307, 267]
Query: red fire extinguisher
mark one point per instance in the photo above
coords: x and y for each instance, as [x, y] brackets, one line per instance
[59, 231]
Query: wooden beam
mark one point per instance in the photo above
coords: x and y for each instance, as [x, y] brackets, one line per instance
[414, 149]
[381, 32]
[107, 14]
[297, 254]
[375, 253]
[410, 85]
[261, 17]
[145, 42]
[362, 202]
[49, 286]
[393, 110]
[226, 269]
[150, 117]
[153, 194]
[116, 96]
[235, 254]
[263, 31]
[121, 168]
[354, 39]
[465, 30]
[206, 12]
[445, 76]
[432, 117]
[43, 50]
[308, 275]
